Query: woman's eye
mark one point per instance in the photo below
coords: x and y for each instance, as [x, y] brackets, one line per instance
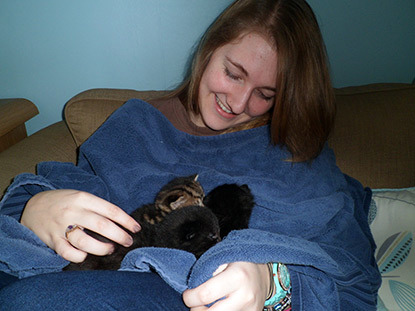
[231, 75]
[265, 97]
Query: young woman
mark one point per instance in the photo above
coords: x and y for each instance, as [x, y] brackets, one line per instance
[308, 246]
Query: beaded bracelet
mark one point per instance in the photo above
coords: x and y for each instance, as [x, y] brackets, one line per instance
[281, 300]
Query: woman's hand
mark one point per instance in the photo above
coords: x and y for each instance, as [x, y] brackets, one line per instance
[243, 285]
[49, 213]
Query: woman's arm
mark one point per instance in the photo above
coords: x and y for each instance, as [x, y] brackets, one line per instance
[49, 213]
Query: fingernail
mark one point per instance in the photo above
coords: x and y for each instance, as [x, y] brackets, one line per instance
[111, 250]
[129, 242]
[136, 228]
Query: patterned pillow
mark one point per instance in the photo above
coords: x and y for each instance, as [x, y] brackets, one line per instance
[392, 221]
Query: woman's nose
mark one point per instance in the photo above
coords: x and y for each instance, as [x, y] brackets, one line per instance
[239, 100]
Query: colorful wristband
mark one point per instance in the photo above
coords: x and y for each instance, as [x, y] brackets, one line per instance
[282, 296]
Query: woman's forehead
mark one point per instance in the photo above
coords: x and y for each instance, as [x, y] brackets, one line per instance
[252, 54]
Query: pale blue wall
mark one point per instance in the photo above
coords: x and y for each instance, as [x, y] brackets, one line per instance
[52, 49]
[368, 40]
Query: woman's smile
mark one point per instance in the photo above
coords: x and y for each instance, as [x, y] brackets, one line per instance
[223, 110]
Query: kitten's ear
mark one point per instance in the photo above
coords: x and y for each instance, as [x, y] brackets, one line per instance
[178, 202]
[195, 177]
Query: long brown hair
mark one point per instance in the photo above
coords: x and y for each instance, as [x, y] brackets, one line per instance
[304, 109]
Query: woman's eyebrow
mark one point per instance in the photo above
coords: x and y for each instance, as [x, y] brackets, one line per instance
[239, 66]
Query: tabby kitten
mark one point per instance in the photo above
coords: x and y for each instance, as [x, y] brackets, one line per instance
[179, 192]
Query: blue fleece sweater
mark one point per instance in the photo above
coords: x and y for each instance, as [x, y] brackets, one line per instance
[309, 216]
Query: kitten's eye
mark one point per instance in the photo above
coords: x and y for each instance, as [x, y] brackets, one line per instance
[190, 236]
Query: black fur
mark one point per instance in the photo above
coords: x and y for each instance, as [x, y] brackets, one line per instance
[232, 204]
[194, 229]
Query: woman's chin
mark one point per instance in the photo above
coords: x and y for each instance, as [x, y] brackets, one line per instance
[219, 126]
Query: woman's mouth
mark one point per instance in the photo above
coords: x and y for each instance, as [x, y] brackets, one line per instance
[222, 106]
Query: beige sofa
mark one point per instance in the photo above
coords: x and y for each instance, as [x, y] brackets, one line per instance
[374, 136]
[373, 139]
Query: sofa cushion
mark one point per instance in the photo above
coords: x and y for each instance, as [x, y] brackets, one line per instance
[85, 112]
[392, 217]
[374, 134]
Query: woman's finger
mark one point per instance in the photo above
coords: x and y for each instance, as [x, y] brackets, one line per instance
[108, 210]
[68, 252]
[223, 305]
[212, 290]
[106, 228]
[86, 243]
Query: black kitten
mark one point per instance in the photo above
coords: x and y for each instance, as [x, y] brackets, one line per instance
[194, 229]
[171, 222]
[232, 204]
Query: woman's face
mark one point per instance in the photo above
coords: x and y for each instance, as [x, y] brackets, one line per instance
[238, 83]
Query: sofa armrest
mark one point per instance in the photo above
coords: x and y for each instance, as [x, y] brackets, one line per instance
[85, 112]
[14, 112]
[53, 143]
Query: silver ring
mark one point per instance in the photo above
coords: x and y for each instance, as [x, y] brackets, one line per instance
[71, 228]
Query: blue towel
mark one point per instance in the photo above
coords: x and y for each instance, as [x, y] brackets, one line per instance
[307, 215]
